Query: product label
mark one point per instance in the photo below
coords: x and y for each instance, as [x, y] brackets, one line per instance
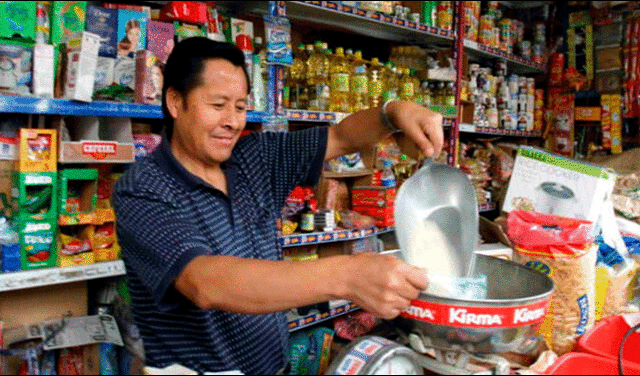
[99, 150]
[360, 85]
[486, 317]
[340, 83]
[375, 88]
[583, 304]
[407, 90]
[306, 224]
[350, 366]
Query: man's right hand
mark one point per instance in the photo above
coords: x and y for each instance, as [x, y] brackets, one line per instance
[382, 284]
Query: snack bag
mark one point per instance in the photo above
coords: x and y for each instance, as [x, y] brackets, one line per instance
[563, 249]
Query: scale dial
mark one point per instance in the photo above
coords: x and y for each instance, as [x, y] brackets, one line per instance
[376, 356]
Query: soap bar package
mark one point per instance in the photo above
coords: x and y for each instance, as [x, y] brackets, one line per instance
[104, 22]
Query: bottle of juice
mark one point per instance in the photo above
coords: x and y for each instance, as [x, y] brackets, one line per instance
[359, 84]
[317, 79]
[340, 83]
[376, 83]
[407, 86]
[391, 83]
[298, 91]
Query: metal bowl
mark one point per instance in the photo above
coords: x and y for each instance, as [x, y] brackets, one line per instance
[507, 321]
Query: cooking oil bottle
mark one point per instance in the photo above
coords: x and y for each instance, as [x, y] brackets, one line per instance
[340, 82]
[407, 86]
[391, 83]
[359, 84]
[376, 83]
[318, 78]
[417, 91]
[298, 91]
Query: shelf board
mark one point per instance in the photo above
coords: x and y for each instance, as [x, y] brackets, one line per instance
[54, 276]
[48, 106]
[345, 175]
[315, 116]
[470, 128]
[515, 64]
[296, 322]
[296, 240]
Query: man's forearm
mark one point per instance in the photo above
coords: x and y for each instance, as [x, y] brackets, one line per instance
[257, 286]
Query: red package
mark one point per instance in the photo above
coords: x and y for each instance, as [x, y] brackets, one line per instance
[192, 12]
[557, 69]
[353, 326]
[539, 232]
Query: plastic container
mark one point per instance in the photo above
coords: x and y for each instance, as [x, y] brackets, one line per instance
[576, 363]
[604, 340]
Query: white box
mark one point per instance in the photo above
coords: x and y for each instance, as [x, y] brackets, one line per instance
[104, 73]
[43, 70]
[82, 57]
[551, 184]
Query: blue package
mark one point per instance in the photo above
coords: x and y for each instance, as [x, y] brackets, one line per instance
[104, 22]
[132, 32]
[607, 254]
[11, 258]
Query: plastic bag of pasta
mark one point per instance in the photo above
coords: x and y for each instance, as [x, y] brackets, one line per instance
[563, 249]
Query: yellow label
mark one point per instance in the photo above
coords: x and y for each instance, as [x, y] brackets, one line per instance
[360, 84]
[375, 88]
[340, 82]
[407, 90]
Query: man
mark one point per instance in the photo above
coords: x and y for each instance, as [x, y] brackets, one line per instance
[197, 221]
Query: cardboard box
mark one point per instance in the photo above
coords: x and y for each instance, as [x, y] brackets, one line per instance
[132, 31]
[105, 70]
[38, 244]
[382, 215]
[35, 194]
[43, 70]
[11, 258]
[67, 17]
[78, 190]
[92, 139]
[588, 113]
[552, 184]
[82, 57]
[16, 75]
[160, 39]
[7, 169]
[373, 196]
[104, 22]
[149, 78]
[18, 19]
[37, 150]
[608, 58]
[124, 72]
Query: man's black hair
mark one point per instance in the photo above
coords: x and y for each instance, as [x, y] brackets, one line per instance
[184, 68]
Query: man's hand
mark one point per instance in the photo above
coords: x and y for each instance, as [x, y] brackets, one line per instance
[422, 125]
[382, 284]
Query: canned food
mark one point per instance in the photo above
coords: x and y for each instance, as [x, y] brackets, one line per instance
[415, 17]
[525, 49]
[540, 33]
[501, 68]
[445, 15]
[537, 54]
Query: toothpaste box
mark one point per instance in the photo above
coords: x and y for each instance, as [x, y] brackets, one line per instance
[104, 22]
[82, 60]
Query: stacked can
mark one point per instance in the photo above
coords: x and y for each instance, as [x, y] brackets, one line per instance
[486, 30]
[538, 115]
[472, 19]
[445, 15]
[429, 13]
[506, 35]
[539, 42]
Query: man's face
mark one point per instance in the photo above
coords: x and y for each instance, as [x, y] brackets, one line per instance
[209, 124]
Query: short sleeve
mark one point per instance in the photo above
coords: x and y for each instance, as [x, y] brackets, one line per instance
[158, 240]
[293, 159]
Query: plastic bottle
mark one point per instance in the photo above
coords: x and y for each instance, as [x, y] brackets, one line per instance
[390, 79]
[416, 86]
[258, 89]
[388, 178]
[43, 29]
[318, 78]
[376, 83]
[340, 83]
[359, 84]
[407, 86]
[298, 91]
[450, 95]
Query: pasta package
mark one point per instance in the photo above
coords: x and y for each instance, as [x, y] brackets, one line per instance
[563, 249]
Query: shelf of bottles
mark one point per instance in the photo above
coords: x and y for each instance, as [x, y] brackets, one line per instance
[470, 128]
[335, 117]
[296, 322]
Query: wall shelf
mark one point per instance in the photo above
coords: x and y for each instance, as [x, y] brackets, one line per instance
[296, 322]
[470, 128]
[54, 276]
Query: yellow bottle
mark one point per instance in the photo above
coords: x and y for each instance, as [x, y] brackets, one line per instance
[416, 86]
[407, 86]
[340, 83]
[391, 83]
[359, 84]
[376, 83]
[298, 91]
[317, 79]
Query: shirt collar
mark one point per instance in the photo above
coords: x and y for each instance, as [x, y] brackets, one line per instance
[172, 166]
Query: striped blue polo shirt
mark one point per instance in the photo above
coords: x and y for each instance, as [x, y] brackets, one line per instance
[167, 216]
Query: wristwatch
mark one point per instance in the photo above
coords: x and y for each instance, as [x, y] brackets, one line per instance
[385, 118]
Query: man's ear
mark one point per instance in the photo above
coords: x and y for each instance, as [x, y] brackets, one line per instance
[174, 100]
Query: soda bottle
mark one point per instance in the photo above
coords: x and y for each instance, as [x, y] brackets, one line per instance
[298, 91]
[391, 83]
[359, 84]
[376, 83]
[340, 83]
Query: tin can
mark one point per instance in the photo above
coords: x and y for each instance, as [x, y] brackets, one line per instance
[486, 30]
[531, 86]
[429, 12]
[501, 68]
[514, 84]
[537, 54]
[415, 17]
[540, 33]
[445, 15]
[398, 11]
[525, 49]
[472, 20]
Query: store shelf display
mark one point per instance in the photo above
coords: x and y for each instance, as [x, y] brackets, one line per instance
[53, 276]
[296, 322]
[470, 128]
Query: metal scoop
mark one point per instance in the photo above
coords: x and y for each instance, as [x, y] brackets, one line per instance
[436, 215]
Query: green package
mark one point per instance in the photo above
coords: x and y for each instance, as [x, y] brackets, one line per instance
[19, 19]
[67, 17]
